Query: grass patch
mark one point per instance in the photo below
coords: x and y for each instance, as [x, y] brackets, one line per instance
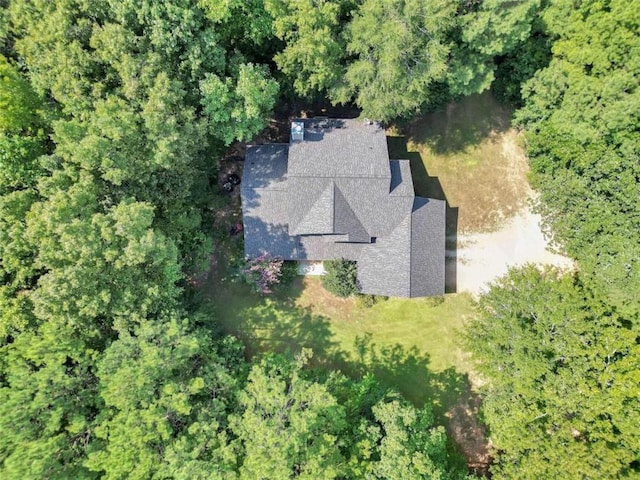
[412, 323]
[468, 155]
[410, 345]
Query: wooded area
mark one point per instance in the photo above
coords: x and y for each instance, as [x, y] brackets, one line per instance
[113, 114]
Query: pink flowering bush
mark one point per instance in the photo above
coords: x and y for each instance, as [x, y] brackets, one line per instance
[262, 272]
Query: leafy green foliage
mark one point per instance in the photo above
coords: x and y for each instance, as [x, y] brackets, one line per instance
[341, 277]
[21, 134]
[583, 138]
[289, 426]
[491, 31]
[18, 102]
[401, 50]
[518, 66]
[157, 385]
[496, 27]
[562, 369]
[107, 132]
[314, 48]
[95, 236]
[394, 58]
[289, 272]
[238, 113]
[293, 426]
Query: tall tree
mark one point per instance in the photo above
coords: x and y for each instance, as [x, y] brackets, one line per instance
[293, 425]
[95, 234]
[497, 35]
[289, 426]
[313, 56]
[583, 132]
[166, 392]
[396, 57]
[21, 129]
[561, 368]
[400, 51]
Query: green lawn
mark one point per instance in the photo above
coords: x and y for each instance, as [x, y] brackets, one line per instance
[411, 345]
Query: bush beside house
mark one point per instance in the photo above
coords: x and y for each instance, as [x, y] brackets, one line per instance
[341, 277]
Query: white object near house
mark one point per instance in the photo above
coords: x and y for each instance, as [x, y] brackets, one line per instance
[308, 267]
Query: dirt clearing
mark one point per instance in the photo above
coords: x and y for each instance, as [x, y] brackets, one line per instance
[469, 155]
[483, 257]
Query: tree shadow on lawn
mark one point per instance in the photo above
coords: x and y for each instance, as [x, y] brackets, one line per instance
[454, 404]
[461, 124]
[408, 371]
[277, 324]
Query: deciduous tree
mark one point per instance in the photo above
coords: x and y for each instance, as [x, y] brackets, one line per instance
[561, 369]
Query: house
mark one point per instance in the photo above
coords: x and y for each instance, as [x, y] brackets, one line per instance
[332, 192]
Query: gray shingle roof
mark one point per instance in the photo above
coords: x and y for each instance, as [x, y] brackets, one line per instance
[427, 247]
[385, 268]
[345, 220]
[310, 206]
[401, 179]
[346, 148]
[328, 196]
[265, 166]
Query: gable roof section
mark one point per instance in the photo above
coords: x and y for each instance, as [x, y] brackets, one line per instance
[263, 194]
[401, 179]
[310, 206]
[427, 247]
[369, 199]
[339, 148]
[384, 269]
[345, 221]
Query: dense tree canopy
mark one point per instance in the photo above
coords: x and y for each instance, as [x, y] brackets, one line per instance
[112, 116]
[106, 149]
[394, 58]
[562, 400]
[581, 114]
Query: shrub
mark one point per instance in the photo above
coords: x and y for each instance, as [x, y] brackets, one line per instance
[262, 272]
[341, 277]
[289, 272]
[364, 300]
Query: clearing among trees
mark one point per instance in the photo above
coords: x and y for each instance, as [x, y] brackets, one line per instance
[470, 156]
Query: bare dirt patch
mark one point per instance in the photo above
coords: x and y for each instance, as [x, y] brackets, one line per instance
[322, 302]
[476, 159]
[469, 155]
[469, 433]
[483, 257]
